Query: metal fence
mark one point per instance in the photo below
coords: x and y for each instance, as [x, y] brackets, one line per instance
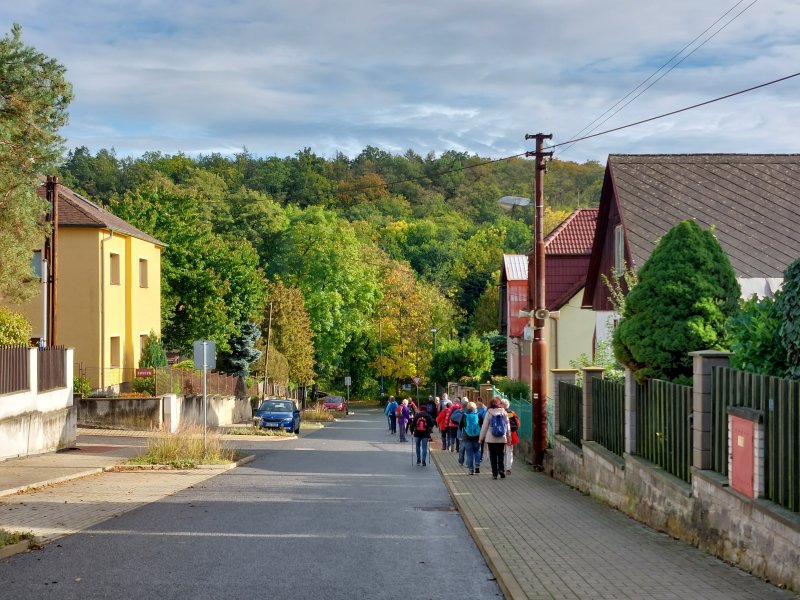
[608, 414]
[14, 372]
[664, 426]
[779, 401]
[570, 412]
[173, 380]
[522, 407]
[51, 368]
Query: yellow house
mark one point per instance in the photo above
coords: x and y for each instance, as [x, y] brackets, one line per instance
[108, 291]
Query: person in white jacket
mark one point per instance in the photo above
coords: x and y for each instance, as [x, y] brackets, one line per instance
[496, 432]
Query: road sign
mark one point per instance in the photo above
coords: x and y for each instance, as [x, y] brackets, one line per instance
[144, 372]
[416, 380]
[204, 354]
[348, 381]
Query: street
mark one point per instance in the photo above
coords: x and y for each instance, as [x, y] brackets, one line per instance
[341, 513]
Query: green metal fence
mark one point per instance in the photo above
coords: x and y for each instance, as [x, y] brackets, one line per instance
[664, 426]
[570, 412]
[779, 400]
[608, 414]
[522, 407]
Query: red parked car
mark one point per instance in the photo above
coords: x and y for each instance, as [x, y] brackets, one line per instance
[333, 403]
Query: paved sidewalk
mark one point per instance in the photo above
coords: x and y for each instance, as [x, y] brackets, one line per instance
[543, 539]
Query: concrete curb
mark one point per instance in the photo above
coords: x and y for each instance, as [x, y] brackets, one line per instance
[13, 549]
[222, 467]
[47, 482]
[505, 580]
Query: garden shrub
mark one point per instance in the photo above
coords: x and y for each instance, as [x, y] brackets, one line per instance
[788, 304]
[14, 329]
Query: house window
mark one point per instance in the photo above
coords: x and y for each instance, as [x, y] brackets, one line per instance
[114, 269]
[142, 273]
[114, 349]
[619, 250]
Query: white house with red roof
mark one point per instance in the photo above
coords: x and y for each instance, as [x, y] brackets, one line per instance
[570, 329]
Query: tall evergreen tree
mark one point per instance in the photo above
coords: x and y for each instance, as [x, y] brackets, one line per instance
[687, 290]
[34, 96]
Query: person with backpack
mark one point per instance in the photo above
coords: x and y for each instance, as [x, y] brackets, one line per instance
[470, 428]
[482, 416]
[452, 430]
[513, 426]
[422, 428]
[495, 431]
[431, 407]
[391, 415]
[402, 419]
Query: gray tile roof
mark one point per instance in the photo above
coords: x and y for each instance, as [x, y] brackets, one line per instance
[752, 201]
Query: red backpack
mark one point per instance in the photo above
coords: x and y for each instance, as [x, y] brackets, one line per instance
[422, 424]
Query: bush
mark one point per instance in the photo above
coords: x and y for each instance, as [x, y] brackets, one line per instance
[789, 306]
[153, 354]
[144, 385]
[514, 388]
[81, 385]
[603, 357]
[755, 340]
[14, 329]
[686, 293]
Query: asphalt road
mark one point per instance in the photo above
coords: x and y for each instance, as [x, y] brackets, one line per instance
[339, 514]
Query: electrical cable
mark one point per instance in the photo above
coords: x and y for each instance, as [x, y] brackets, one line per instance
[673, 57]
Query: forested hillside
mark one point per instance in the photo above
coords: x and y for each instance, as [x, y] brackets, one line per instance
[364, 255]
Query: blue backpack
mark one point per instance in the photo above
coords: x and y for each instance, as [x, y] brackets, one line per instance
[498, 425]
[471, 426]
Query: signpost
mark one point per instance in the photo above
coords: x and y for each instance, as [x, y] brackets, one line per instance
[416, 379]
[347, 382]
[205, 357]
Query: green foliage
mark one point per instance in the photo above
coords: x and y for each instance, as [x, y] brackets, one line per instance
[14, 329]
[788, 304]
[144, 385]
[755, 340]
[603, 357]
[513, 388]
[291, 331]
[498, 344]
[81, 385]
[34, 96]
[469, 357]
[153, 354]
[242, 351]
[686, 292]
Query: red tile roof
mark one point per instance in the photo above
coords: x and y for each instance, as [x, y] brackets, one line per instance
[574, 235]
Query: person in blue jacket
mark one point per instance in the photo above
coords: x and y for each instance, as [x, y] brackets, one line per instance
[391, 414]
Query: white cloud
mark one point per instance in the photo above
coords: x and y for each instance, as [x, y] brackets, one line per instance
[468, 75]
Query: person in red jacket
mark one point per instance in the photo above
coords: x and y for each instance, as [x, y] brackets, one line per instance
[443, 422]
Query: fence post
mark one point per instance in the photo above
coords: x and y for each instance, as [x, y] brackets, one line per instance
[631, 408]
[568, 376]
[589, 373]
[703, 361]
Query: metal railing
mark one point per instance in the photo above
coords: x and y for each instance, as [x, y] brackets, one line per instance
[570, 412]
[522, 407]
[779, 401]
[664, 426]
[14, 373]
[608, 414]
[51, 371]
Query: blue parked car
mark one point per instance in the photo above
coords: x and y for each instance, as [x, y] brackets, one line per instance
[279, 413]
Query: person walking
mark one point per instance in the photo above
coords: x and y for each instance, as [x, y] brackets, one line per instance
[391, 415]
[495, 432]
[402, 419]
[454, 422]
[422, 427]
[481, 416]
[513, 426]
[443, 422]
[470, 434]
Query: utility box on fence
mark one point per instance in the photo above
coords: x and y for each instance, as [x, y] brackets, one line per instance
[746, 451]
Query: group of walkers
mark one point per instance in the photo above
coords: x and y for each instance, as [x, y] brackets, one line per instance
[466, 428]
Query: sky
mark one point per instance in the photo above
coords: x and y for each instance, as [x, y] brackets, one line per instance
[472, 76]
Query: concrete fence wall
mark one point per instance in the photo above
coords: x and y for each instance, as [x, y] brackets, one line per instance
[169, 412]
[32, 422]
[755, 534]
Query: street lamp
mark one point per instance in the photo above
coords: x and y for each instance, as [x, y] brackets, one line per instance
[435, 387]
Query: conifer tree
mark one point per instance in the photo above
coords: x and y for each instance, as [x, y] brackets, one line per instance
[687, 290]
[788, 305]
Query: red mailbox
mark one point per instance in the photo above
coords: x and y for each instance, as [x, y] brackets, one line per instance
[745, 450]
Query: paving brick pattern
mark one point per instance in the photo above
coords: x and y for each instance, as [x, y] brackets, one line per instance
[543, 539]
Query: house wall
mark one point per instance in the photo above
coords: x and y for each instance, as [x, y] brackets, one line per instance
[143, 302]
[570, 335]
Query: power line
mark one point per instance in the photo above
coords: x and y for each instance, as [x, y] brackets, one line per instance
[675, 112]
[673, 57]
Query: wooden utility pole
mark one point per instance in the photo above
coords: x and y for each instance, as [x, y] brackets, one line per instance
[536, 299]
